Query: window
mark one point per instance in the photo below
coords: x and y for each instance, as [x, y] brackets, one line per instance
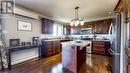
[57, 29]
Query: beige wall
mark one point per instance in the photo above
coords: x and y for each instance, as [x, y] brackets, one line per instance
[11, 32]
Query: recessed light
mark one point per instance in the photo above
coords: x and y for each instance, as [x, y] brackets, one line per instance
[110, 12]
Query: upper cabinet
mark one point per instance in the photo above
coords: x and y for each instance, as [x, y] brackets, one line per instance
[94, 27]
[99, 27]
[47, 26]
[123, 7]
[68, 29]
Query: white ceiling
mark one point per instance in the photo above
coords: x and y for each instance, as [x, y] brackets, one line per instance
[63, 10]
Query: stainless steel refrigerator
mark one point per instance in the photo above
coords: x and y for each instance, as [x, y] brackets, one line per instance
[118, 44]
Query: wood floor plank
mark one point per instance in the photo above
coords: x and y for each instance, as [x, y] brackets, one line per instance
[94, 64]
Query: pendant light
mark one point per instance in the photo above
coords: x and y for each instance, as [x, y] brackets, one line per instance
[76, 21]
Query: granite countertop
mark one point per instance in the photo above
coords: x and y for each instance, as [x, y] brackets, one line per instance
[100, 40]
[52, 40]
[76, 43]
[55, 39]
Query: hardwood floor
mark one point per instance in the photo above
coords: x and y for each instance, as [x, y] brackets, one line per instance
[94, 64]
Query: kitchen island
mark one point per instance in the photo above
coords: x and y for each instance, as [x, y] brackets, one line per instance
[74, 54]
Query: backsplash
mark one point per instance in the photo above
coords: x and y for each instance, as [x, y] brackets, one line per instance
[50, 36]
[98, 36]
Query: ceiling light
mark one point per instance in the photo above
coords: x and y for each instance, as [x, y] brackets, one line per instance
[71, 24]
[110, 12]
[82, 23]
[76, 21]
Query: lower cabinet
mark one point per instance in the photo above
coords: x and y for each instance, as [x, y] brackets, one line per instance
[56, 47]
[100, 47]
[128, 69]
[50, 48]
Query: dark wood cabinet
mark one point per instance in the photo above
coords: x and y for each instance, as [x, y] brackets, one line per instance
[50, 48]
[68, 29]
[56, 46]
[98, 27]
[47, 49]
[81, 56]
[47, 26]
[100, 47]
[101, 27]
[123, 8]
[128, 69]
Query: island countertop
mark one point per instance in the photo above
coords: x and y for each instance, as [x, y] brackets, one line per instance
[76, 43]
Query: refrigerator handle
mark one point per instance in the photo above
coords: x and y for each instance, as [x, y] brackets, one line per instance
[112, 52]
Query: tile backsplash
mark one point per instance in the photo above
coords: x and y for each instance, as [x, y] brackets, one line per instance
[99, 36]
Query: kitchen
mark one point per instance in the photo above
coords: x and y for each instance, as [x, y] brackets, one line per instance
[64, 38]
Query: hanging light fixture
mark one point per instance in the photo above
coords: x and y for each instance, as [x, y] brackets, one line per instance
[76, 21]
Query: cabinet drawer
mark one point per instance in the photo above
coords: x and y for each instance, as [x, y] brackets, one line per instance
[98, 43]
[99, 52]
[99, 46]
[101, 49]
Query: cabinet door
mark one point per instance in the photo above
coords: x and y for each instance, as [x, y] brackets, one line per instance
[56, 46]
[47, 49]
[101, 27]
[94, 28]
[68, 29]
[128, 71]
[106, 26]
[50, 27]
[50, 48]
[47, 26]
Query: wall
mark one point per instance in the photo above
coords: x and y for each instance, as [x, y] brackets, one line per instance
[12, 32]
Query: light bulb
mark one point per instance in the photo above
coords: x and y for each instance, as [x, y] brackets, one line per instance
[82, 23]
[77, 23]
[71, 24]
